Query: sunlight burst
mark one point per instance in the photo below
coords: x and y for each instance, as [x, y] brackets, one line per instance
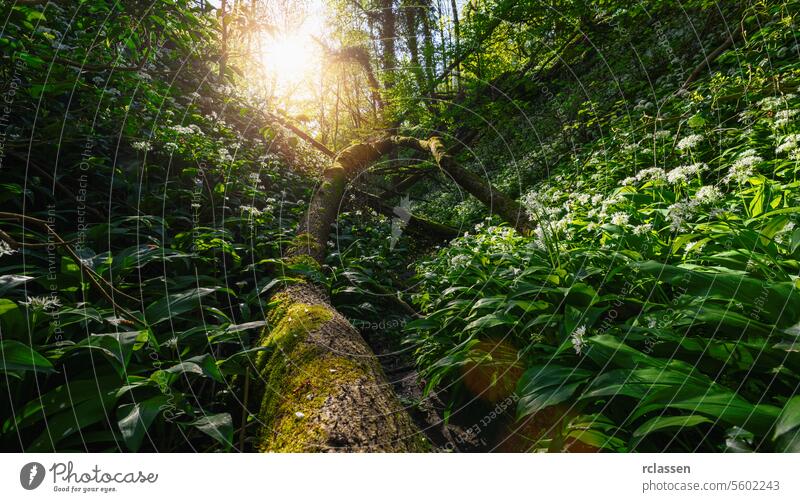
[291, 57]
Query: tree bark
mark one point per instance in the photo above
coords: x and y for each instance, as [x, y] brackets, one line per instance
[223, 60]
[428, 49]
[421, 227]
[410, 22]
[495, 200]
[322, 388]
[457, 36]
[388, 33]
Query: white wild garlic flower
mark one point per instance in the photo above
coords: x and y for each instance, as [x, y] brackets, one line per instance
[6, 249]
[142, 146]
[690, 142]
[42, 302]
[683, 174]
[577, 338]
[744, 167]
[708, 195]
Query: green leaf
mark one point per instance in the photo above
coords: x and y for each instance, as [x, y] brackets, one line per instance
[789, 417]
[12, 322]
[201, 365]
[16, 356]
[660, 423]
[543, 386]
[135, 419]
[638, 383]
[11, 281]
[219, 427]
[419, 324]
[55, 400]
[73, 420]
[118, 347]
[175, 305]
[777, 302]
[490, 321]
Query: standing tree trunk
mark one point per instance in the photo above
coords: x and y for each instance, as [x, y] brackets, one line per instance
[223, 59]
[429, 51]
[323, 388]
[457, 35]
[410, 23]
[388, 33]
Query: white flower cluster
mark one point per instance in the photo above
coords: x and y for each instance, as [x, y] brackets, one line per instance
[743, 168]
[42, 302]
[690, 142]
[789, 144]
[460, 261]
[620, 219]
[707, 195]
[783, 117]
[696, 246]
[6, 249]
[578, 339]
[142, 146]
[224, 155]
[775, 102]
[683, 174]
[649, 174]
[253, 211]
[552, 215]
[680, 212]
[190, 129]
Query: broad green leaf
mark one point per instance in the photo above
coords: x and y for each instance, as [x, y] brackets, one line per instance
[490, 321]
[543, 386]
[789, 418]
[175, 305]
[16, 356]
[218, 426]
[662, 422]
[135, 419]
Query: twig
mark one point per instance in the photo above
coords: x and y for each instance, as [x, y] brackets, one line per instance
[706, 63]
[93, 276]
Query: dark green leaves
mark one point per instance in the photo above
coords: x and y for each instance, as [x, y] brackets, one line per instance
[219, 426]
[543, 386]
[775, 302]
[17, 358]
[135, 419]
[176, 304]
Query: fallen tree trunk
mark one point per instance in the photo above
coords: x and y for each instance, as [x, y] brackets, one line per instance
[495, 200]
[322, 388]
[421, 227]
[360, 155]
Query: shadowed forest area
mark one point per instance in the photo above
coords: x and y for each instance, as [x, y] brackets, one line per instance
[396, 225]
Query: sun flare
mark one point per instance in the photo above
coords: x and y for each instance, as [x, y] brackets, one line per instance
[290, 57]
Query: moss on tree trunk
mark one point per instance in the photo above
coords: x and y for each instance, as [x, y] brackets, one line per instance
[321, 386]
